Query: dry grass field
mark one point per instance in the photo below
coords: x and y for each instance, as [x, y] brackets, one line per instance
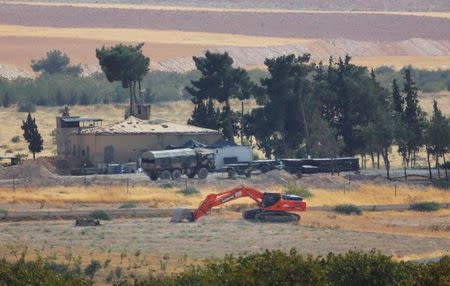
[143, 246]
[154, 196]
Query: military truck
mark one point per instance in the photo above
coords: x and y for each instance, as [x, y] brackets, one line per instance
[172, 164]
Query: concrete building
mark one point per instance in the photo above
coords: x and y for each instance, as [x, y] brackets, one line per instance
[88, 141]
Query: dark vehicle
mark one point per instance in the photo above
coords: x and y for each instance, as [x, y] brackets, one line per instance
[171, 164]
[246, 168]
[321, 165]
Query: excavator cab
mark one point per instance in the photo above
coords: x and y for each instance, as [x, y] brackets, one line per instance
[269, 199]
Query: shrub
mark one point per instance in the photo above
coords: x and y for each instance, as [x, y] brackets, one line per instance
[129, 205]
[298, 190]
[26, 107]
[425, 207]
[187, 191]
[15, 139]
[3, 212]
[348, 209]
[441, 184]
[37, 272]
[168, 185]
[92, 268]
[100, 214]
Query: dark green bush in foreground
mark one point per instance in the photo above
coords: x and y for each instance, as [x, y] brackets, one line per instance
[348, 209]
[353, 268]
[36, 273]
[425, 207]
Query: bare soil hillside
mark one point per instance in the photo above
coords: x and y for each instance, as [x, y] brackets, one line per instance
[364, 26]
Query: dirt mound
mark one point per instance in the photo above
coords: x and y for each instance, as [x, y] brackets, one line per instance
[30, 169]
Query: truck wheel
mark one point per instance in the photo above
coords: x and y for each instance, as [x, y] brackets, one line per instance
[153, 176]
[202, 173]
[231, 173]
[248, 174]
[265, 169]
[176, 174]
[191, 174]
[165, 175]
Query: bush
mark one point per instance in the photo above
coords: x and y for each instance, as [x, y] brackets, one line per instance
[129, 205]
[168, 185]
[441, 184]
[301, 191]
[26, 107]
[348, 209]
[92, 268]
[15, 139]
[36, 272]
[425, 207]
[188, 191]
[100, 214]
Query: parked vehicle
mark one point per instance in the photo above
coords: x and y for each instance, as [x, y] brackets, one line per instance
[172, 164]
[246, 168]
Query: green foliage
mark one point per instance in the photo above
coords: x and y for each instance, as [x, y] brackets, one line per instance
[425, 207]
[3, 212]
[129, 205]
[267, 268]
[92, 268]
[219, 83]
[37, 272]
[441, 184]
[56, 62]
[298, 190]
[100, 214]
[15, 139]
[360, 269]
[427, 80]
[189, 191]
[348, 209]
[32, 135]
[168, 185]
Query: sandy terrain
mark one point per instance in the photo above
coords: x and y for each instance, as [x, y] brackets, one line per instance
[175, 33]
[298, 25]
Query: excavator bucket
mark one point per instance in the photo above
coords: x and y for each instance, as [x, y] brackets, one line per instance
[182, 215]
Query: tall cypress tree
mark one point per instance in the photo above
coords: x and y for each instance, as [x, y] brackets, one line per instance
[414, 117]
[32, 135]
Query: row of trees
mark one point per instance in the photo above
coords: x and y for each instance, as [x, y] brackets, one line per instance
[307, 109]
[60, 83]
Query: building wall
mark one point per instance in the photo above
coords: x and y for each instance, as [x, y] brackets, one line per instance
[124, 148]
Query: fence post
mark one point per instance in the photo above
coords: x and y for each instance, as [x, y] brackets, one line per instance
[14, 184]
[128, 184]
[395, 190]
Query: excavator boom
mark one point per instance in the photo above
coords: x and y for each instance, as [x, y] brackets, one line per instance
[273, 207]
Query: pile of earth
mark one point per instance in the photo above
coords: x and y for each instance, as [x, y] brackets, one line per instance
[40, 168]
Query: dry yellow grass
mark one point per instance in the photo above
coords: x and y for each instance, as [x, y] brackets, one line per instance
[378, 194]
[148, 36]
[158, 197]
[444, 15]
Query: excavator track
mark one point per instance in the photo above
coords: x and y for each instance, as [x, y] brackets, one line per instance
[276, 217]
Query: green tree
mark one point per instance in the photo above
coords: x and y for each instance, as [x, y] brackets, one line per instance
[56, 62]
[437, 136]
[219, 82]
[345, 102]
[32, 135]
[127, 64]
[414, 117]
[282, 125]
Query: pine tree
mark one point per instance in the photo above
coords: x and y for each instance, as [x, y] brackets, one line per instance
[397, 99]
[219, 83]
[413, 117]
[32, 135]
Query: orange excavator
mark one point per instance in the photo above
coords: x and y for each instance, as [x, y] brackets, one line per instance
[272, 207]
